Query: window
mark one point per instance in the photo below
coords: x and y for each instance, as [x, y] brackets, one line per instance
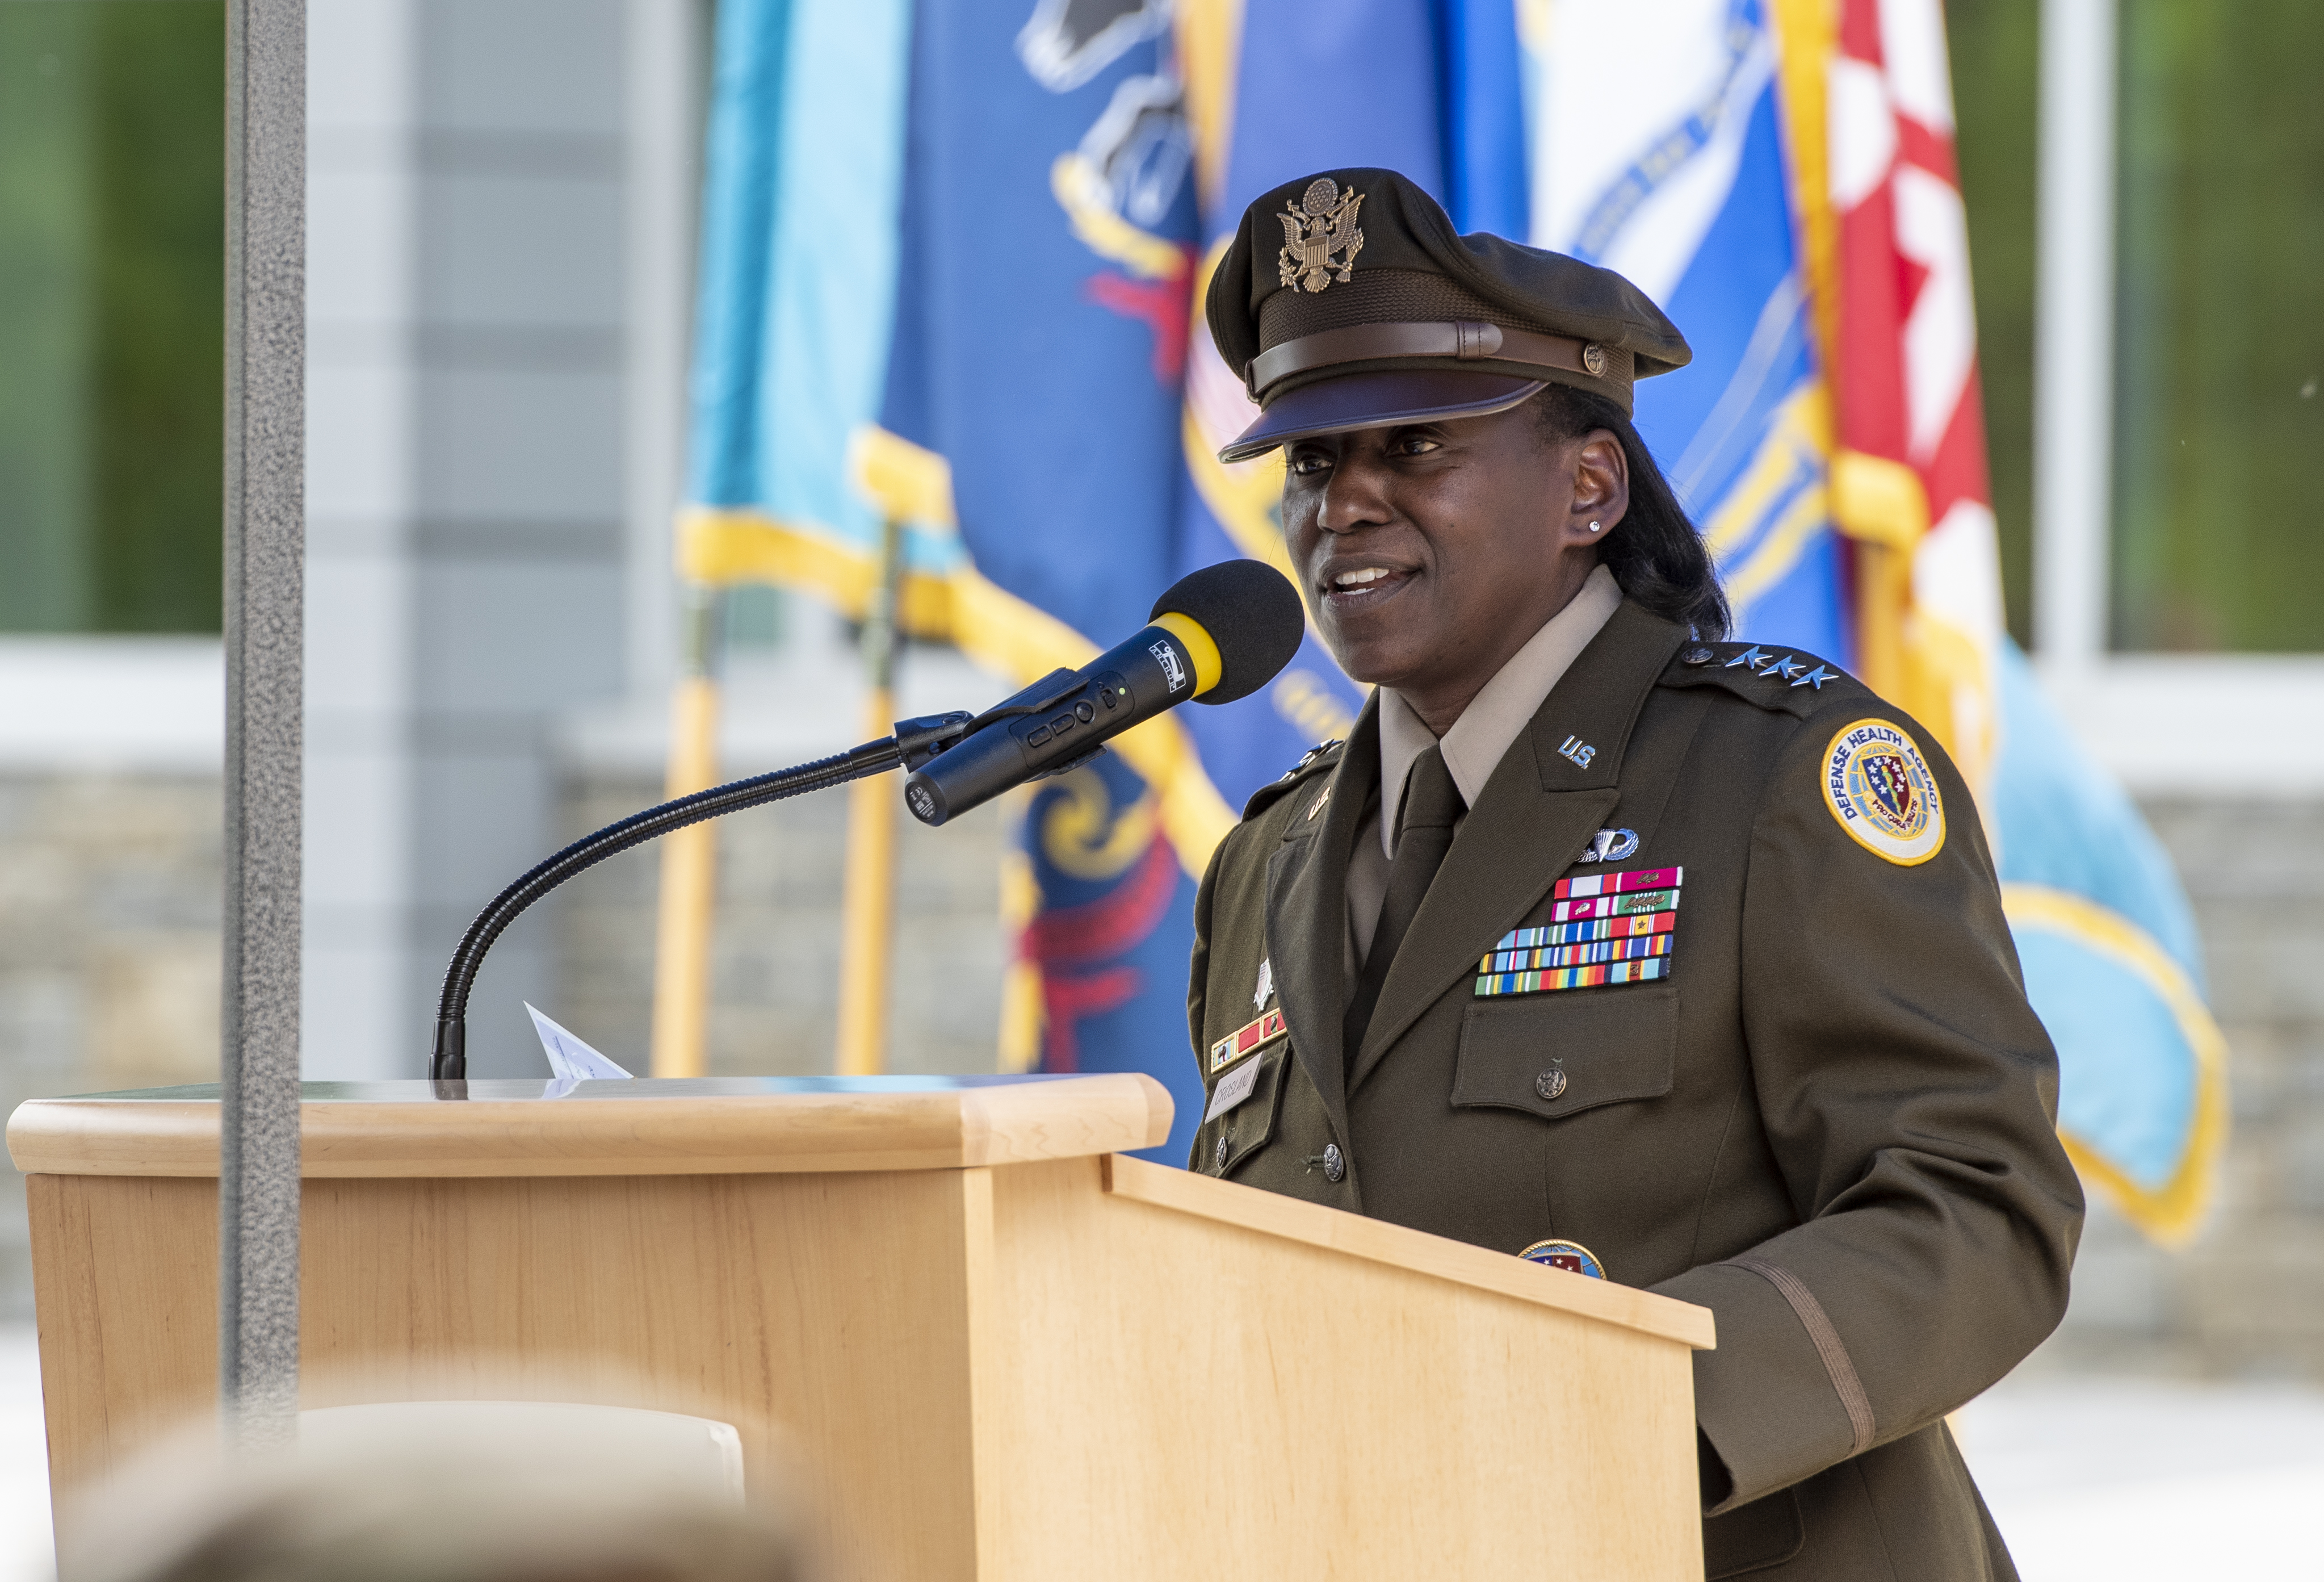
[112, 240]
[1995, 46]
[2219, 425]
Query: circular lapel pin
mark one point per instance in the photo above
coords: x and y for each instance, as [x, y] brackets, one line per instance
[1571, 1257]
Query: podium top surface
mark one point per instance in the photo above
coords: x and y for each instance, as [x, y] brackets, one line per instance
[640, 1126]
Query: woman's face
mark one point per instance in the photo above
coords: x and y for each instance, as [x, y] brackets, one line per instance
[1430, 552]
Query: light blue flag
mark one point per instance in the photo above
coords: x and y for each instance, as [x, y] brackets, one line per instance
[2112, 965]
[800, 252]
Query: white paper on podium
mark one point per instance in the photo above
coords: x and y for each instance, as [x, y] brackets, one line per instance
[571, 1062]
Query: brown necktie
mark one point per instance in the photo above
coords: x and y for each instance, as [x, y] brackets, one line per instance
[1431, 807]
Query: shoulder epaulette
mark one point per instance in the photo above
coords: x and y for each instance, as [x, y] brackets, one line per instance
[1784, 681]
[1320, 757]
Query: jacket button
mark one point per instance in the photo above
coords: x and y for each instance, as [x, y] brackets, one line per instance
[1697, 655]
[1335, 1164]
[1219, 1154]
[1549, 1084]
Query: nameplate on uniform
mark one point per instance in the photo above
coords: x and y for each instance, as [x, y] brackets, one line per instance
[1252, 1035]
[1232, 1089]
[1605, 928]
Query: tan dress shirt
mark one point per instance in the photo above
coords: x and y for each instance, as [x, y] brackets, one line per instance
[1472, 747]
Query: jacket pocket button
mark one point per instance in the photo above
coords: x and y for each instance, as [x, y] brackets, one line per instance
[1549, 1084]
[1335, 1164]
[1219, 1154]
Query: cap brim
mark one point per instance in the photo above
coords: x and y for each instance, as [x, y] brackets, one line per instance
[1373, 401]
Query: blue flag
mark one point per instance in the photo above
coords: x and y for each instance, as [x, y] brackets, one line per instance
[1047, 224]
[985, 228]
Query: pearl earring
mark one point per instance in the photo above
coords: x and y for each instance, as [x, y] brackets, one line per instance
[1595, 526]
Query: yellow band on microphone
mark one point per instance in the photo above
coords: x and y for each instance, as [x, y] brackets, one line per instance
[1198, 645]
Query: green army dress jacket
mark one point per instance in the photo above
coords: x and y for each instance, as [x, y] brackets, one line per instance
[1830, 1122]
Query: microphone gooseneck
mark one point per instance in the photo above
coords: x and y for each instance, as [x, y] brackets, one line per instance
[913, 741]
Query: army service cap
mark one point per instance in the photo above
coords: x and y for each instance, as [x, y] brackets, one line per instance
[1346, 301]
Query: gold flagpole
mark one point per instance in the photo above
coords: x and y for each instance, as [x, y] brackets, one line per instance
[689, 857]
[867, 926]
[908, 484]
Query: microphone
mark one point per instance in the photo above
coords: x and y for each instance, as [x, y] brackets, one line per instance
[1218, 634]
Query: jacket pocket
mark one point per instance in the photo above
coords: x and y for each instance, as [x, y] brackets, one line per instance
[1557, 1054]
[1234, 1136]
[1751, 1538]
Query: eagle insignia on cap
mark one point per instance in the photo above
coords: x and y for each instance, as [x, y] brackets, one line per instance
[1322, 224]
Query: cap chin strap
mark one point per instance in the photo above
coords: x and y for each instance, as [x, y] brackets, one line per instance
[1465, 341]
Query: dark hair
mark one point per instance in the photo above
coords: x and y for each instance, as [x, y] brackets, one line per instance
[1654, 553]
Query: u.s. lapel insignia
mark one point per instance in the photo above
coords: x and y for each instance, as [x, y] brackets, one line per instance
[1248, 1038]
[1602, 929]
[1571, 1257]
[1323, 224]
[1883, 793]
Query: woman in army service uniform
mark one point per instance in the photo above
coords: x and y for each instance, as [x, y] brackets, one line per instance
[1602, 938]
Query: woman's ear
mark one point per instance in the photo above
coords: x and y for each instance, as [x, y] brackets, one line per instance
[1601, 488]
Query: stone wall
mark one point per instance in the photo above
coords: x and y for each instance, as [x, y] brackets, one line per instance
[108, 950]
[2248, 1297]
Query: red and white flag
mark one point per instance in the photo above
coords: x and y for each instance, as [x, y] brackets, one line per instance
[1909, 478]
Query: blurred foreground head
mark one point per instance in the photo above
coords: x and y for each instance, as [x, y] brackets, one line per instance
[454, 1492]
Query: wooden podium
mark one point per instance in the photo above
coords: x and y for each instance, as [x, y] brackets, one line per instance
[993, 1347]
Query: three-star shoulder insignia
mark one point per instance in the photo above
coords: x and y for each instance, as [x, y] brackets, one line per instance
[1782, 680]
[1318, 758]
[1308, 761]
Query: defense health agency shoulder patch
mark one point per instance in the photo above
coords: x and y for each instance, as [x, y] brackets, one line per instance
[1881, 789]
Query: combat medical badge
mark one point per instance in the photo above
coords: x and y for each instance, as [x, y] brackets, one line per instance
[1883, 793]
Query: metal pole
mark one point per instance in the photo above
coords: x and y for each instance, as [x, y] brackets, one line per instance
[265, 577]
[2073, 374]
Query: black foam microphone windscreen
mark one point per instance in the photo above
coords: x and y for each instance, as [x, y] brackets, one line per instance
[1251, 611]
